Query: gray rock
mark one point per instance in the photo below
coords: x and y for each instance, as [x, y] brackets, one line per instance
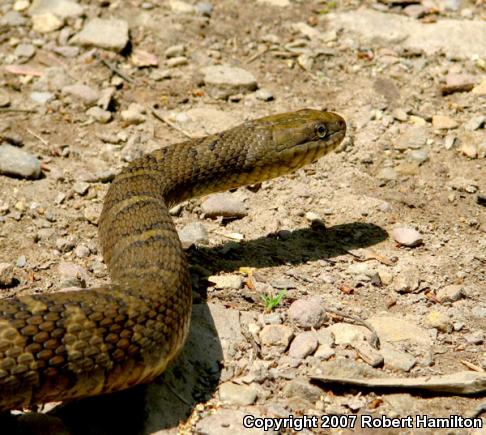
[6, 274]
[475, 338]
[301, 388]
[223, 204]
[84, 93]
[276, 335]
[19, 163]
[82, 251]
[111, 34]
[13, 19]
[324, 352]
[61, 8]
[24, 51]
[475, 122]
[228, 422]
[407, 236]
[325, 337]
[42, 97]
[205, 9]
[450, 293]
[303, 344]
[194, 233]
[394, 329]
[264, 95]
[223, 81]
[397, 360]
[235, 394]
[307, 313]
[81, 187]
[413, 137]
[419, 156]
[227, 324]
[65, 244]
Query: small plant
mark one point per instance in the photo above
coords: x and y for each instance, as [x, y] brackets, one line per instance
[328, 7]
[271, 302]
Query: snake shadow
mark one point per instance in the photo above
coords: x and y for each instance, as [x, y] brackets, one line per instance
[193, 377]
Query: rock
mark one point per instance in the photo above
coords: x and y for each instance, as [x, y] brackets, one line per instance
[72, 275]
[174, 62]
[324, 352]
[92, 213]
[135, 114]
[228, 422]
[6, 274]
[450, 141]
[407, 281]
[46, 23]
[111, 34]
[235, 394]
[474, 338]
[61, 8]
[415, 11]
[307, 313]
[13, 19]
[228, 327]
[480, 89]
[81, 187]
[368, 353]
[4, 99]
[42, 97]
[387, 174]
[205, 9]
[413, 137]
[450, 293]
[223, 204]
[21, 261]
[419, 156]
[443, 122]
[475, 122]
[86, 94]
[65, 244]
[408, 168]
[300, 387]
[482, 150]
[19, 163]
[21, 5]
[407, 236]
[325, 337]
[226, 281]
[394, 329]
[479, 312]
[439, 321]
[458, 83]
[446, 35]
[270, 319]
[99, 115]
[175, 50]
[400, 115]
[303, 344]
[82, 251]
[462, 184]
[345, 333]
[24, 51]
[469, 150]
[276, 335]
[181, 7]
[264, 95]
[194, 233]
[223, 81]
[397, 360]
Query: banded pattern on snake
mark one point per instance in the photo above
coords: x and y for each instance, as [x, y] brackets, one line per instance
[68, 345]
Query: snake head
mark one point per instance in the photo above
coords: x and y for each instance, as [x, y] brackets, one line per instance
[298, 138]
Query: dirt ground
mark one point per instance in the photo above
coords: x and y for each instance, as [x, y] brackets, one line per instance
[414, 158]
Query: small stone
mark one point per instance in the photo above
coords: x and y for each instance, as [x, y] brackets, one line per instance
[479, 312]
[42, 97]
[450, 141]
[415, 11]
[307, 313]
[82, 251]
[65, 244]
[111, 34]
[480, 89]
[24, 51]
[276, 335]
[469, 150]
[450, 293]
[234, 394]
[86, 94]
[400, 115]
[408, 168]
[303, 344]
[81, 187]
[407, 281]
[413, 137]
[270, 319]
[21, 5]
[46, 23]
[106, 97]
[181, 7]
[443, 122]
[194, 233]
[482, 150]
[301, 387]
[92, 213]
[223, 204]
[462, 184]
[458, 83]
[17, 162]
[264, 95]
[135, 114]
[394, 329]
[6, 274]
[175, 62]
[61, 8]
[13, 19]
[407, 236]
[368, 353]
[21, 261]
[474, 338]
[72, 275]
[4, 99]
[387, 174]
[226, 281]
[175, 51]
[397, 360]
[312, 217]
[99, 115]
[324, 352]
[223, 81]
[475, 122]
[159, 75]
[205, 9]
[345, 333]
[439, 321]
[419, 156]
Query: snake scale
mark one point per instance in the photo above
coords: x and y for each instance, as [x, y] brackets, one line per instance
[74, 344]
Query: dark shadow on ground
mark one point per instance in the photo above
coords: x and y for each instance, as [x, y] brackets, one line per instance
[194, 375]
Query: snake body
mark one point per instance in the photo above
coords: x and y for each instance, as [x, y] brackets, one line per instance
[74, 344]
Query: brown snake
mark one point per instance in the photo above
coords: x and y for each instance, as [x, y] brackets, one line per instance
[82, 343]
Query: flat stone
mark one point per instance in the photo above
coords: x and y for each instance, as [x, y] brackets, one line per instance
[307, 313]
[407, 281]
[235, 394]
[6, 274]
[387, 174]
[450, 293]
[42, 97]
[474, 338]
[175, 62]
[194, 233]
[111, 34]
[300, 387]
[439, 320]
[223, 204]
[397, 360]
[228, 422]
[413, 137]
[99, 115]
[442, 122]
[72, 275]
[181, 7]
[13, 19]
[458, 83]
[475, 122]
[61, 8]
[46, 23]
[394, 329]
[303, 344]
[86, 94]
[345, 333]
[226, 281]
[264, 95]
[324, 352]
[276, 335]
[407, 236]
[223, 81]
[18, 163]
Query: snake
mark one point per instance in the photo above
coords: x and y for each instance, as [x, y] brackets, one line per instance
[77, 343]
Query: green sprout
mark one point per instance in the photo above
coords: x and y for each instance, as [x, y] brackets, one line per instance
[271, 302]
[328, 8]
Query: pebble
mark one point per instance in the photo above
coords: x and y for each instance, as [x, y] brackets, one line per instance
[480, 89]
[42, 97]
[303, 344]
[21, 261]
[324, 352]
[458, 83]
[86, 94]
[135, 114]
[345, 333]
[17, 162]
[475, 122]
[368, 353]
[228, 422]
[92, 213]
[450, 141]
[276, 335]
[400, 115]
[450, 293]
[81, 187]
[4, 99]
[264, 95]
[325, 337]
[439, 321]
[72, 275]
[396, 329]
[307, 313]
[6, 274]
[175, 62]
[413, 137]
[21, 5]
[387, 174]
[235, 394]
[223, 204]
[226, 281]
[106, 97]
[175, 51]
[111, 34]
[407, 236]
[223, 81]
[13, 19]
[419, 156]
[205, 9]
[82, 251]
[270, 319]
[181, 7]
[475, 338]
[407, 281]
[46, 23]
[65, 244]
[301, 387]
[62, 8]
[443, 122]
[194, 233]
[479, 312]
[24, 51]
[99, 115]
[397, 360]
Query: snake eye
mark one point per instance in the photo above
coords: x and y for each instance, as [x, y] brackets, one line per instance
[321, 131]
